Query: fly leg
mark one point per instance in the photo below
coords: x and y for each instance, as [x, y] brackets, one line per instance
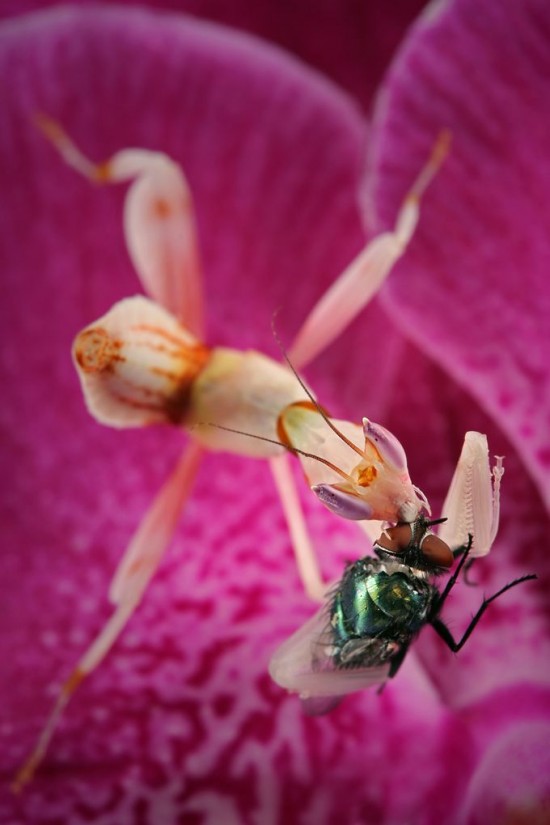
[397, 660]
[441, 628]
[395, 663]
[364, 276]
[467, 567]
[132, 576]
[159, 222]
[438, 603]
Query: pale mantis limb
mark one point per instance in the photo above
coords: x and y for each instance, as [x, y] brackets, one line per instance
[306, 560]
[159, 222]
[364, 276]
[131, 578]
[472, 505]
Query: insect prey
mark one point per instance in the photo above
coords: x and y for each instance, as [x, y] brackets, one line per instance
[361, 634]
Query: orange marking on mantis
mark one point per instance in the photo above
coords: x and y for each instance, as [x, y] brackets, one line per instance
[306, 404]
[196, 353]
[162, 333]
[140, 405]
[174, 377]
[162, 208]
[282, 434]
[96, 350]
[169, 350]
[178, 378]
[102, 172]
[367, 475]
[173, 406]
[310, 405]
[74, 680]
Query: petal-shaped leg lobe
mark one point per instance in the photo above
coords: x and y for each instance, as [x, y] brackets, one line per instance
[472, 504]
[159, 222]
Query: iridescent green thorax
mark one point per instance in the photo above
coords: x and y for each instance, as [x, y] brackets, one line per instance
[376, 609]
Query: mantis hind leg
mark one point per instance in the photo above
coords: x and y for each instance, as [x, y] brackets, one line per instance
[306, 560]
[159, 221]
[137, 567]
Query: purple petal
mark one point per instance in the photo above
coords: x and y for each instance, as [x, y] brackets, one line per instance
[474, 290]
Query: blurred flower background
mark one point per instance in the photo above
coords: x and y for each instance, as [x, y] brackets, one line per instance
[292, 158]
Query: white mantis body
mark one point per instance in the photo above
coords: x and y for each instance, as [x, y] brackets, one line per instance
[145, 362]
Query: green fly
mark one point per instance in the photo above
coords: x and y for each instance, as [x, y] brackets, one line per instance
[361, 634]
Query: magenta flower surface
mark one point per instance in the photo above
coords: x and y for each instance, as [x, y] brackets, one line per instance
[350, 41]
[181, 723]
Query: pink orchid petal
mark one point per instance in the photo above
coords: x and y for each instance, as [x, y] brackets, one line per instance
[350, 42]
[509, 746]
[474, 290]
[512, 783]
[182, 720]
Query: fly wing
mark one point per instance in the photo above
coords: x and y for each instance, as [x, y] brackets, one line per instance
[306, 664]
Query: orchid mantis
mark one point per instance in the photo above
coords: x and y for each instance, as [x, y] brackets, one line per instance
[145, 362]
